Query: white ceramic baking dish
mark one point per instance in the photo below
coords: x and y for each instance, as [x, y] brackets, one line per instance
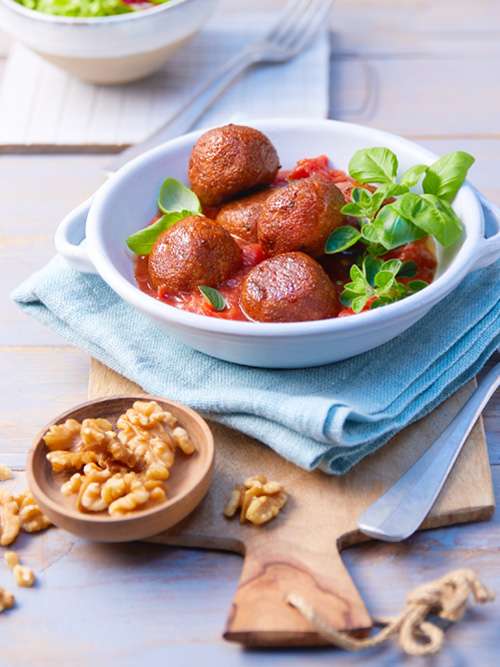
[128, 201]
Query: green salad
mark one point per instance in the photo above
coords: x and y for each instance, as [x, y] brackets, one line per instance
[88, 8]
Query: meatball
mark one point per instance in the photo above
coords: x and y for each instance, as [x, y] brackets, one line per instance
[291, 287]
[300, 216]
[230, 161]
[239, 217]
[195, 251]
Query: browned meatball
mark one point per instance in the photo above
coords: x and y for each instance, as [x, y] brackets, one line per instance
[239, 217]
[195, 251]
[300, 216]
[291, 287]
[230, 161]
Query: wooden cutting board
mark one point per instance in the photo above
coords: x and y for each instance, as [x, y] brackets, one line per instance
[299, 551]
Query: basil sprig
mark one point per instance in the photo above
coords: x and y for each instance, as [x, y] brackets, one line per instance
[177, 202]
[412, 216]
[384, 227]
[376, 279]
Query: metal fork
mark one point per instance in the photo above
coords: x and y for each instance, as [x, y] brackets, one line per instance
[297, 26]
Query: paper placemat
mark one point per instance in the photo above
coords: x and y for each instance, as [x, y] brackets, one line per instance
[41, 105]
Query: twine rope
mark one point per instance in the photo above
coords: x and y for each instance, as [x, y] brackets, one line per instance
[447, 597]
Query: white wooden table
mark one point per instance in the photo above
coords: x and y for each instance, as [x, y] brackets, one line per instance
[426, 70]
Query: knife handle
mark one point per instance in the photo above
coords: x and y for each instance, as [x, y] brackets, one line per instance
[399, 511]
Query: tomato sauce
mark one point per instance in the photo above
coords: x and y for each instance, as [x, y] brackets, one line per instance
[195, 302]
[337, 266]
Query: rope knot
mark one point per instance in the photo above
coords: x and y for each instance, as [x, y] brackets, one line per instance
[447, 597]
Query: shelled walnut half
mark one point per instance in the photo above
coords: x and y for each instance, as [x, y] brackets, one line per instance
[121, 471]
[19, 512]
[259, 500]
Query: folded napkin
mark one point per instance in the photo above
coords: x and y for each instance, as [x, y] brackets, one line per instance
[329, 416]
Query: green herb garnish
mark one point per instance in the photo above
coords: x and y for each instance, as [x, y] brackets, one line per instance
[175, 196]
[177, 202]
[376, 280]
[213, 297]
[386, 227]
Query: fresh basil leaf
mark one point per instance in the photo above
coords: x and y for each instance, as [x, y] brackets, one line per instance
[371, 266]
[175, 196]
[364, 197]
[356, 194]
[417, 285]
[384, 279]
[348, 296]
[412, 175]
[341, 239]
[430, 214]
[390, 190]
[392, 265]
[444, 177]
[356, 275]
[142, 241]
[359, 303]
[370, 233]
[352, 209]
[401, 290]
[408, 270]
[381, 301]
[213, 296]
[393, 229]
[374, 165]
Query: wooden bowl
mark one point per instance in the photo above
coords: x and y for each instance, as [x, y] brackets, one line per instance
[189, 478]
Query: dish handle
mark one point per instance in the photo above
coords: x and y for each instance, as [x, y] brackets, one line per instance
[489, 248]
[69, 236]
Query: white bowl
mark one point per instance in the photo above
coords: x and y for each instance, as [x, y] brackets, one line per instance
[128, 201]
[108, 49]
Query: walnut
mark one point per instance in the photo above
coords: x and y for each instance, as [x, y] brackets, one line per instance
[63, 436]
[23, 576]
[182, 440]
[251, 481]
[6, 599]
[143, 434]
[97, 435]
[89, 495]
[5, 472]
[251, 492]
[119, 473]
[62, 460]
[12, 559]
[157, 495]
[264, 508]
[32, 519]
[10, 523]
[138, 495]
[235, 501]
[258, 499]
[148, 414]
[73, 485]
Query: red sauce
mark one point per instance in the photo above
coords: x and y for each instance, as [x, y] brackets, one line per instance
[195, 302]
[336, 266]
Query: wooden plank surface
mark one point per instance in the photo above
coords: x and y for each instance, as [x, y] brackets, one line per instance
[430, 66]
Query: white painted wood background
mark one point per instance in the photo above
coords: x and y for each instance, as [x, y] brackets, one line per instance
[426, 69]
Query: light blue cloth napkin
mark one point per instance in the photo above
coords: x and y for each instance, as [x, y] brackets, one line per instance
[330, 416]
